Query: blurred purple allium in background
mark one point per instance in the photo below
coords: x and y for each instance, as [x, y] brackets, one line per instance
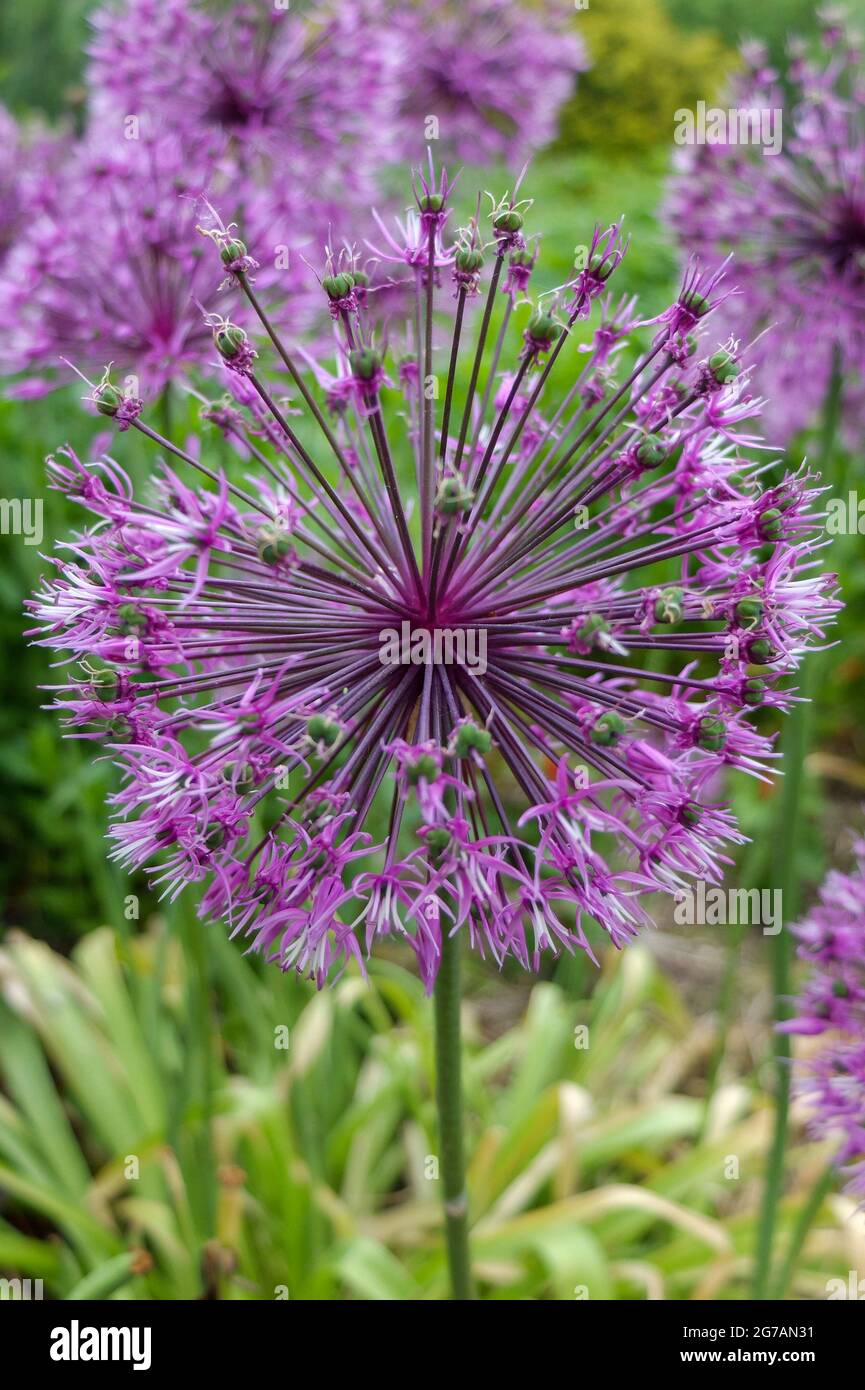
[246, 646]
[832, 941]
[795, 222]
[494, 74]
[285, 116]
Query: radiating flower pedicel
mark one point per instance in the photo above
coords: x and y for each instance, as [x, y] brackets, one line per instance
[640, 588]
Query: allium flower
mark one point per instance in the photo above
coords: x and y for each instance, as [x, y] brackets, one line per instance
[391, 677]
[493, 74]
[795, 221]
[309, 88]
[832, 942]
[29, 159]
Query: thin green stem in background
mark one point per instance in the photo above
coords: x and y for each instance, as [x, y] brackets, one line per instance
[804, 1221]
[450, 1112]
[787, 839]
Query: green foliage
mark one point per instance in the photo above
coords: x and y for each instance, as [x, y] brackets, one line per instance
[643, 69]
[159, 1139]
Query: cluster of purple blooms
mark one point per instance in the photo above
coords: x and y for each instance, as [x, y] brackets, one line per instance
[285, 116]
[832, 1003]
[796, 223]
[645, 582]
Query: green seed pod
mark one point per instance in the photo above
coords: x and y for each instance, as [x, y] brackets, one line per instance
[840, 990]
[670, 606]
[424, 767]
[542, 327]
[509, 220]
[322, 729]
[770, 524]
[104, 681]
[691, 813]
[651, 451]
[711, 733]
[452, 497]
[229, 339]
[601, 266]
[438, 842]
[233, 250]
[762, 652]
[130, 619]
[338, 286]
[724, 367]
[522, 258]
[753, 691]
[361, 279]
[749, 611]
[696, 303]
[431, 202]
[594, 627]
[273, 545]
[469, 260]
[119, 728]
[469, 738]
[107, 397]
[365, 362]
[608, 729]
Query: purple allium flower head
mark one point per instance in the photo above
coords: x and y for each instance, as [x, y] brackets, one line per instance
[492, 75]
[29, 159]
[832, 1003]
[795, 221]
[302, 93]
[388, 676]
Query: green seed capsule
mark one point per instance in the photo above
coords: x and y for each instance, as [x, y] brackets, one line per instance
[770, 524]
[273, 545]
[724, 367]
[508, 220]
[130, 619]
[651, 451]
[107, 397]
[711, 733]
[104, 682]
[469, 260]
[438, 842]
[452, 497]
[469, 738]
[601, 266]
[425, 767]
[608, 729]
[542, 327]
[229, 339]
[762, 652]
[234, 250]
[696, 303]
[592, 629]
[753, 691]
[749, 611]
[322, 729]
[338, 286]
[670, 606]
[691, 813]
[365, 362]
[431, 202]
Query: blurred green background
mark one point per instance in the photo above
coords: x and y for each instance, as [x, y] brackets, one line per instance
[157, 1139]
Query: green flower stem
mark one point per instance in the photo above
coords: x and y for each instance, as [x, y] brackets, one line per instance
[804, 1222]
[446, 1002]
[787, 839]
